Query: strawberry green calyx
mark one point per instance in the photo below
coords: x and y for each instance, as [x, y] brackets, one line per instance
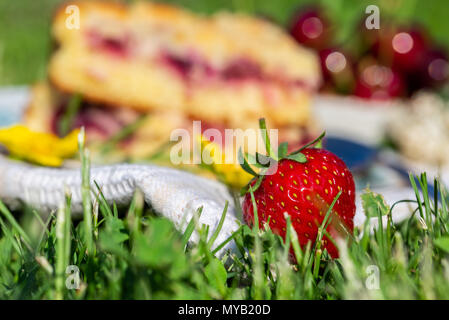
[244, 163]
[282, 150]
[316, 141]
[298, 157]
[265, 162]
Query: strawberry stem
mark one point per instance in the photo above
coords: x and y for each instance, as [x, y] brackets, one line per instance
[265, 136]
[256, 215]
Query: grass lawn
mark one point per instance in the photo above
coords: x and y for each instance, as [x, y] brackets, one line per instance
[133, 254]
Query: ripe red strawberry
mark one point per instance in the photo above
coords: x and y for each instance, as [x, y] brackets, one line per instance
[304, 188]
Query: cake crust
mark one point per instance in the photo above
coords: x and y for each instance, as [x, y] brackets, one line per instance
[226, 67]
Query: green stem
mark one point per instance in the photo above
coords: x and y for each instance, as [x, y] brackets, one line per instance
[266, 137]
[86, 193]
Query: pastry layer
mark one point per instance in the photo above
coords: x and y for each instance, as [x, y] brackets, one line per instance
[226, 68]
[48, 106]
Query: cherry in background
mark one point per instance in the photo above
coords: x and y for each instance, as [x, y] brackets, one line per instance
[310, 27]
[378, 81]
[337, 70]
[413, 55]
[409, 48]
[394, 61]
[434, 69]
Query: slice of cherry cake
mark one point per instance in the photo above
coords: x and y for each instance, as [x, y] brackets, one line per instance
[227, 70]
[226, 67]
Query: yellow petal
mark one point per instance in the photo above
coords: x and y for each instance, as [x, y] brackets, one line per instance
[231, 173]
[42, 148]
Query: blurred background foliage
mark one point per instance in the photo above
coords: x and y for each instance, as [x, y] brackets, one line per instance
[25, 42]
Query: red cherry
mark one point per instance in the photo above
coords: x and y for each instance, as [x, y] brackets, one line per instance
[409, 49]
[377, 81]
[403, 49]
[434, 69]
[333, 61]
[337, 69]
[310, 27]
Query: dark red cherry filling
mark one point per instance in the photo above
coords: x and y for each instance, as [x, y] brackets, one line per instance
[192, 67]
[242, 69]
[116, 46]
[101, 121]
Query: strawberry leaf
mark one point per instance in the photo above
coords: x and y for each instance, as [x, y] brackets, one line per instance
[244, 190]
[258, 182]
[256, 186]
[244, 164]
[253, 161]
[298, 157]
[282, 150]
[317, 140]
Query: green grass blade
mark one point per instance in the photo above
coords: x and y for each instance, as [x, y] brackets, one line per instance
[220, 225]
[190, 228]
[8, 215]
[65, 124]
[86, 194]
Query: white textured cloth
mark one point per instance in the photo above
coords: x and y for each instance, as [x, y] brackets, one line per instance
[174, 194]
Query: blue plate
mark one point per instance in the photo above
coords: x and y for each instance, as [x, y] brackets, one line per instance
[13, 101]
[357, 156]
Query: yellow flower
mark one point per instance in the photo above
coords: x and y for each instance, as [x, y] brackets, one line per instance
[230, 173]
[41, 148]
